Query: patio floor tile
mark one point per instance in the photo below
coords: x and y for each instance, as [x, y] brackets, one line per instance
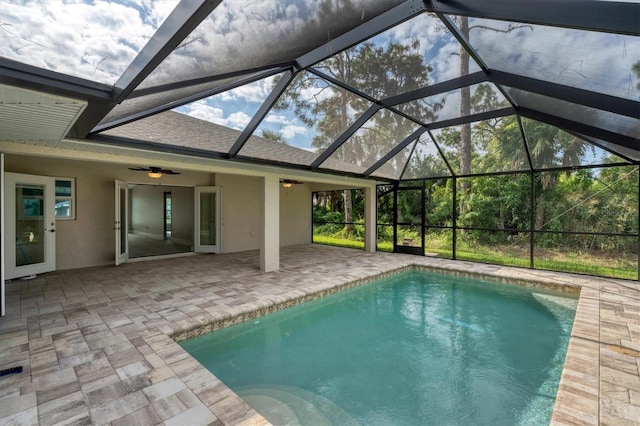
[97, 344]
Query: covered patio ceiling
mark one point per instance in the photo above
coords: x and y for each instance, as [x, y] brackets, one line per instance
[384, 89]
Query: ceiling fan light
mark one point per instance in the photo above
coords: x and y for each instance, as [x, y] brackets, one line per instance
[287, 184]
[154, 175]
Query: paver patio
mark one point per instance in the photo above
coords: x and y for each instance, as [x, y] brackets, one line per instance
[96, 347]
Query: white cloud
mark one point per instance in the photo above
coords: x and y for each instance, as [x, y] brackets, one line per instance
[95, 40]
[200, 109]
[291, 130]
[278, 119]
[238, 120]
[425, 27]
[253, 92]
[206, 112]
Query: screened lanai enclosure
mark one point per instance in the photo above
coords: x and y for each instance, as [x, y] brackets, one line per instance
[500, 131]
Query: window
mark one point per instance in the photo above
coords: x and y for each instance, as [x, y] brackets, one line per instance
[65, 194]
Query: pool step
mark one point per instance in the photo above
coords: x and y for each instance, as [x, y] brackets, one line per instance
[289, 405]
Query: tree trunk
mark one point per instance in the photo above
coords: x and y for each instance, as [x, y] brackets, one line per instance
[465, 130]
[547, 182]
[539, 220]
[348, 210]
[348, 155]
[335, 201]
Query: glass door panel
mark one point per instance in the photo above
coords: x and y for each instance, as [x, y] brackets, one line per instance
[29, 223]
[207, 220]
[2, 251]
[121, 225]
[30, 236]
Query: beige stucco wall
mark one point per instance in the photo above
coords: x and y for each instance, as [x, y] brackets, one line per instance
[89, 239]
[295, 215]
[241, 213]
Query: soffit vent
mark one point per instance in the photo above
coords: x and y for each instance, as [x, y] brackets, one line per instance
[27, 115]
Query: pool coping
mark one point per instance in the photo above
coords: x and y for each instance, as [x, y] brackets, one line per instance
[585, 327]
[198, 330]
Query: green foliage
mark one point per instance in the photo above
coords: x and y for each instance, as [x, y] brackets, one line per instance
[574, 205]
[274, 136]
[499, 202]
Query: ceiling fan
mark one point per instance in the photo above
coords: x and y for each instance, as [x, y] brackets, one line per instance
[154, 172]
[288, 183]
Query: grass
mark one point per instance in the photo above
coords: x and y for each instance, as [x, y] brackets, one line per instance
[625, 272]
[554, 261]
[340, 242]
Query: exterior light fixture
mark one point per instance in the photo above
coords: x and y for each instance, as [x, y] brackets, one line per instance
[288, 183]
[154, 172]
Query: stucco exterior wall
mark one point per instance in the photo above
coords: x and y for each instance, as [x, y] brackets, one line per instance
[88, 240]
[241, 213]
[295, 215]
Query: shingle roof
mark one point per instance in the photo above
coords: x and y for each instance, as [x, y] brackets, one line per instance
[179, 130]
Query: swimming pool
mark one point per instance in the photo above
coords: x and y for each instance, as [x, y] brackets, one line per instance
[417, 347]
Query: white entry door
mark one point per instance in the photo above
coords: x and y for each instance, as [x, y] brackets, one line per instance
[208, 219]
[29, 234]
[121, 224]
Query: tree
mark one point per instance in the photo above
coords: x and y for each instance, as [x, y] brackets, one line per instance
[465, 147]
[379, 71]
[273, 135]
[549, 146]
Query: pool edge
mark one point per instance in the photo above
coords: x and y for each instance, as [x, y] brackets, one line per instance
[582, 334]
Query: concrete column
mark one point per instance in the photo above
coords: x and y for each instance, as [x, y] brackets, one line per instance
[270, 219]
[2, 231]
[370, 219]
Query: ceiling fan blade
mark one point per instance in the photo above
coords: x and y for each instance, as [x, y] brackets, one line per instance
[154, 169]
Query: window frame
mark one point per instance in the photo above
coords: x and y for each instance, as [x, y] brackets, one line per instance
[71, 198]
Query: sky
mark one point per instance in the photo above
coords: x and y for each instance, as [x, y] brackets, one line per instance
[437, 46]
[97, 40]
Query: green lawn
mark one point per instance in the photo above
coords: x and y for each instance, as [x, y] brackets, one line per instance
[585, 264]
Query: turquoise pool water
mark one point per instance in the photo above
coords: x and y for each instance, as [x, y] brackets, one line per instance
[415, 348]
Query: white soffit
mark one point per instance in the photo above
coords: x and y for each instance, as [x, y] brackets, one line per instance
[91, 151]
[27, 115]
